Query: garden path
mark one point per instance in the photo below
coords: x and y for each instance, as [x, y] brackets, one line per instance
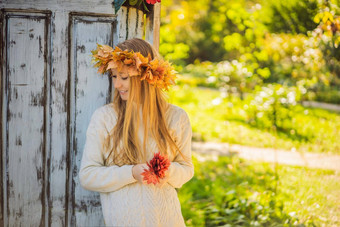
[311, 160]
[322, 105]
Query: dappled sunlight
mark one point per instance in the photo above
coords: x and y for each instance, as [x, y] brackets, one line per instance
[239, 192]
[229, 119]
[247, 70]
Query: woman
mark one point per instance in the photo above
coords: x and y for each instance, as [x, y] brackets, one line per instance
[124, 135]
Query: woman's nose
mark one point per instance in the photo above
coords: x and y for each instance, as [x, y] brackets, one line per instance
[117, 83]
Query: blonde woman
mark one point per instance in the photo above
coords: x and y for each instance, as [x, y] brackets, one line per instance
[124, 135]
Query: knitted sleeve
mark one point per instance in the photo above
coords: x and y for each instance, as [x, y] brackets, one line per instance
[93, 175]
[181, 169]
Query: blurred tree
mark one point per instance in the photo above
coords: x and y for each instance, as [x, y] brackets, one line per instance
[215, 30]
[177, 32]
[292, 42]
[291, 16]
[327, 34]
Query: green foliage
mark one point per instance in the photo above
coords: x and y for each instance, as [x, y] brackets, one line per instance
[312, 194]
[255, 61]
[294, 58]
[177, 30]
[327, 95]
[233, 194]
[271, 106]
[293, 16]
[232, 28]
[205, 26]
[215, 117]
[229, 77]
[227, 191]
[295, 43]
[171, 49]
[327, 35]
[133, 2]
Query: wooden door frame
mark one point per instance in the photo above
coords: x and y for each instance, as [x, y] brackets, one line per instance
[25, 13]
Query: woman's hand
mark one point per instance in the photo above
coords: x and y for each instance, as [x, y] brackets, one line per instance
[163, 181]
[137, 171]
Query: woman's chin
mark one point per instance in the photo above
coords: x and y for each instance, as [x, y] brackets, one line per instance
[124, 97]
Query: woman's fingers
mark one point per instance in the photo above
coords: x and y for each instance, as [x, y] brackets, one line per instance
[137, 171]
[163, 181]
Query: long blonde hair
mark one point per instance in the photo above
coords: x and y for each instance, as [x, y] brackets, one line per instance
[147, 103]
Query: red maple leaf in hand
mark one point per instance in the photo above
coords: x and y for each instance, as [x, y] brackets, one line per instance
[150, 177]
[158, 166]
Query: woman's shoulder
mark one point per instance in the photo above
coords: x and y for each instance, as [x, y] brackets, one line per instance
[105, 110]
[104, 115]
[177, 114]
[176, 110]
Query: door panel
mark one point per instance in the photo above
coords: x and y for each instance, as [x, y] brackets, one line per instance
[89, 91]
[27, 118]
[49, 91]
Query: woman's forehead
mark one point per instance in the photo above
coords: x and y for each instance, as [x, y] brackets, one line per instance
[122, 72]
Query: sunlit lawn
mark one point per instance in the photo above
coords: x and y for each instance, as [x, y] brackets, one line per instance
[225, 120]
[229, 190]
[234, 192]
[312, 194]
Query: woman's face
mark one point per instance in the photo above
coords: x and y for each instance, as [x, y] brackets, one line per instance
[121, 82]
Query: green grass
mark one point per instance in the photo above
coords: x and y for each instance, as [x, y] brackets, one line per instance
[232, 192]
[314, 195]
[226, 120]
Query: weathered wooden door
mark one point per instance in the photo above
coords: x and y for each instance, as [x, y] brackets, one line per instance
[49, 91]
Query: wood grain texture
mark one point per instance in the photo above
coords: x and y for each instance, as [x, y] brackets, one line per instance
[49, 91]
[130, 23]
[88, 92]
[59, 84]
[135, 23]
[26, 121]
[122, 22]
[2, 129]
[153, 22]
[93, 6]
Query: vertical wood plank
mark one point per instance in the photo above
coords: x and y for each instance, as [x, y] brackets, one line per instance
[134, 23]
[122, 22]
[26, 90]
[153, 22]
[2, 132]
[89, 91]
[130, 24]
[139, 29]
[59, 84]
[3, 120]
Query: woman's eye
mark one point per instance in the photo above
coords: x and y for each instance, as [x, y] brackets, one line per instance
[114, 76]
[125, 78]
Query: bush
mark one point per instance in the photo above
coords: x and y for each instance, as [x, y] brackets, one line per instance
[271, 106]
[229, 192]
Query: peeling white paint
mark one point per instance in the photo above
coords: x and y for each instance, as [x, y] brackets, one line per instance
[49, 92]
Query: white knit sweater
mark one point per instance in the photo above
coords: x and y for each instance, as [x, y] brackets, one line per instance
[124, 201]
